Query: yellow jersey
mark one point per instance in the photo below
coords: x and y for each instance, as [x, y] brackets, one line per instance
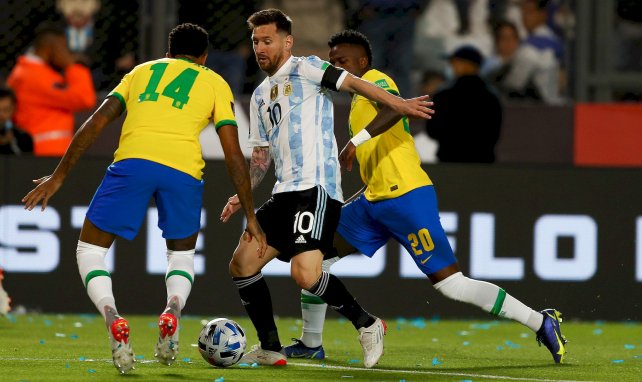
[388, 163]
[168, 103]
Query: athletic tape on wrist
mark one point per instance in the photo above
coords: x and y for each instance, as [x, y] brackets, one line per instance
[361, 137]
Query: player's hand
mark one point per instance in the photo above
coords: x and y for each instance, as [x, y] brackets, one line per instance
[254, 231]
[46, 187]
[347, 156]
[233, 205]
[418, 107]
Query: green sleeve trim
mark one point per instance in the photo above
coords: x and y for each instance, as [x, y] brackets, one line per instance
[96, 273]
[392, 91]
[177, 272]
[225, 122]
[497, 308]
[307, 299]
[324, 66]
[121, 99]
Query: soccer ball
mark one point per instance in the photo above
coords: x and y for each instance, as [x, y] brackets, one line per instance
[222, 342]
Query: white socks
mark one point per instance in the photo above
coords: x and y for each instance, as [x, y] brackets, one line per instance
[490, 298]
[180, 275]
[94, 274]
[313, 310]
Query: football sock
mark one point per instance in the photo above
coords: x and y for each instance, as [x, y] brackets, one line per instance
[335, 294]
[180, 275]
[313, 310]
[490, 298]
[94, 274]
[256, 299]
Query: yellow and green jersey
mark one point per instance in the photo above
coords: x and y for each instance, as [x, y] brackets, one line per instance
[389, 163]
[168, 103]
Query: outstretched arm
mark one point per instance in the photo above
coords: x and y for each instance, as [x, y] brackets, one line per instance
[259, 165]
[238, 172]
[415, 107]
[48, 185]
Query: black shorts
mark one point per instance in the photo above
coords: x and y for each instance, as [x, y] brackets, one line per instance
[299, 221]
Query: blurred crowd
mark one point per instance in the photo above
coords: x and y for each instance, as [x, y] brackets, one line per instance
[524, 48]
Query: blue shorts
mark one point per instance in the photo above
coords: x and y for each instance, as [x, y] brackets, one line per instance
[412, 219]
[121, 201]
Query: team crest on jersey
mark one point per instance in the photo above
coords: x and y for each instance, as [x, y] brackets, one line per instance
[274, 92]
[287, 89]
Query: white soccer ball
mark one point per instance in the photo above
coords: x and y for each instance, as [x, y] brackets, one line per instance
[222, 342]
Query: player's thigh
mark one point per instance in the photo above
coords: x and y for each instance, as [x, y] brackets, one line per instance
[120, 202]
[413, 219]
[357, 229]
[179, 200]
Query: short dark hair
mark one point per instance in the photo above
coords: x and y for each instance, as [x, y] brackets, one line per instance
[188, 39]
[350, 36]
[8, 93]
[282, 21]
[46, 30]
[540, 4]
[504, 24]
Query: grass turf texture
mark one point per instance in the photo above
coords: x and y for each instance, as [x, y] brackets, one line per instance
[75, 348]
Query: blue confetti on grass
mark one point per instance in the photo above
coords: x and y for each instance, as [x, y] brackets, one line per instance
[42, 342]
[466, 343]
[435, 361]
[597, 332]
[91, 371]
[466, 380]
[500, 348]
[140, 357]
[187, 359]
[244, 364]
[618, 361]
[67, 366]
[255, 364]
[637, 356]
[419, 322]
[82, 359]
[222, 379]
[480, 326]
[599, 322]
[629, 346]
[12, 318]
[513, 345]
[74, 336]
[401, 320]
[353, 361]
[48, 322]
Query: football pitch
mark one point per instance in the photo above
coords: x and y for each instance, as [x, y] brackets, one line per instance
[75, 348]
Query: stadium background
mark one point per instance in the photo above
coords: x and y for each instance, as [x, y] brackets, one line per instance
[557, 221]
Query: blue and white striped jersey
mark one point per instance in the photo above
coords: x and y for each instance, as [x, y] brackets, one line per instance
[292, 114]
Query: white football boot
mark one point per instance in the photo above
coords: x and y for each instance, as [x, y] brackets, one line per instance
[264, 357]
[371, 339]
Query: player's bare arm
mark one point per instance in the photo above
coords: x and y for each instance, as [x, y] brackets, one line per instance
[418, 107]
[239, 174]
[48, 185]
[259, 165]
[386, 118]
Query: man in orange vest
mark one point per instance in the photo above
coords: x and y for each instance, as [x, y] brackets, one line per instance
[50, 87]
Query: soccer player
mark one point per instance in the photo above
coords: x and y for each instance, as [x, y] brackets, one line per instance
[292, 121]
[168, 102]
[398, 201]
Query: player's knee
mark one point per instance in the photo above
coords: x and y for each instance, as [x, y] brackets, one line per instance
[305, 279]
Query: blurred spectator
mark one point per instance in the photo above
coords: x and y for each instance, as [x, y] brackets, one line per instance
[230, 44]
[629, 33]
[12, 139]
[5, 300]
[468, 115]
[431, 82]
[390, 27]
[101, 45]
[535, 72]
[47, 99]
[495, 68]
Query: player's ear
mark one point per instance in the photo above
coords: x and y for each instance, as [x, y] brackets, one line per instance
[363, 62]
[289, 41]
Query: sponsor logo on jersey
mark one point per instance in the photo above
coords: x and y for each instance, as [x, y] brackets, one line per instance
[382, 83]
[300, 240]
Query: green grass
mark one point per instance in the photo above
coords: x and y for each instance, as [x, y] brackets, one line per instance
[75, 348]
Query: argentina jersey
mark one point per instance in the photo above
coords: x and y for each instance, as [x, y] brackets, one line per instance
[293, 114]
